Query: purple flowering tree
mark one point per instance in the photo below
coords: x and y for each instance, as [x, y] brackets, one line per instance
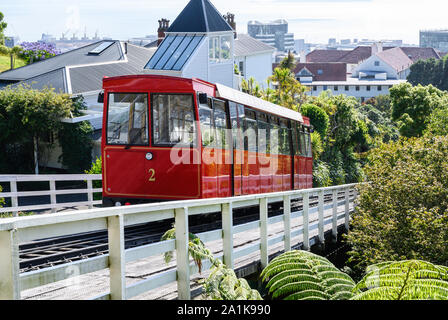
[36, 51]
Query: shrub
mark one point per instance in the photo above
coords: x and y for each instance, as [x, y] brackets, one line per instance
[321, 174]
[402, 213]
[318, 118]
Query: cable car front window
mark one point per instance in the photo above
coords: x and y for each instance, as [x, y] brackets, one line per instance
[173, 119]
[127, 119]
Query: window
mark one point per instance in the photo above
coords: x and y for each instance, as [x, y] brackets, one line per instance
[295, 138]
[302, 141]
[346, 88]
[377, 63]
[320, 71]
[274, 133]
[379, 88]
[127, 118]
[285, 147]
[368, 88]
[220, 124]
[357, 88]
[250, 130]
[241, 67]
[220, 48]
[263, 133]
[236, 120]
[173, 52]
[336, 88]
[325, 88]
[173, 119]
[314, 88]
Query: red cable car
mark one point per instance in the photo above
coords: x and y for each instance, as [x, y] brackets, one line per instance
[171, 138]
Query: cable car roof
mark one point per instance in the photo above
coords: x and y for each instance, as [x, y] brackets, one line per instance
[256, 103]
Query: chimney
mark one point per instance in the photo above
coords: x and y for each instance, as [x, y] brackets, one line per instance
[163, 26]
[302, 57]
[230, 18]
[377, 47]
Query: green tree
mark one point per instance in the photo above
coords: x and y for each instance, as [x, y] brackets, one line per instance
[288, 62]
[411, 106]
[318, 118]
[3, 26]
[402, 213]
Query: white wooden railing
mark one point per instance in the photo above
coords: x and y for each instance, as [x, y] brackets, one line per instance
[321, 218]
[52, 191]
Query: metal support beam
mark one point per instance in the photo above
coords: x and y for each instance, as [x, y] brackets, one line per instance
[227, 230]
[117, 262]
[334, 228]
[321, 216]
[347, 208]
[264, 232]
[182, 258]
[306, 224]
[9, 265]
[287, 221]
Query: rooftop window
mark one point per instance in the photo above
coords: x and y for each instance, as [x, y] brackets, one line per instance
[173, 52]
[100, 48]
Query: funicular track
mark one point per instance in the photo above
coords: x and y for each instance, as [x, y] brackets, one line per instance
[49, 252]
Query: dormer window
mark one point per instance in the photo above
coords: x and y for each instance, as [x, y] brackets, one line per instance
[320, 71]
[377, 63]
[220, 48]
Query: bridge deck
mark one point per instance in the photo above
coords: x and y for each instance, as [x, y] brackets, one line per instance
[93, 284]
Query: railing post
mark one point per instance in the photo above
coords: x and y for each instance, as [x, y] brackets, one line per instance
[14, 199]
[287, 221]
[117, 263]
[227, 230]
[306, 233]
[264, 232]
[334, 229]
[182, 258]
[90, 193]
[9, 265]
[347, 208]
[321, 216]
[52, 193]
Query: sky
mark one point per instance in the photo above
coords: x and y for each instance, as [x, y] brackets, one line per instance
[313, 20]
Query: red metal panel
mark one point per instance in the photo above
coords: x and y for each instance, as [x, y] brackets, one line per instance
[287, 170]
[265, 173]
[296, 173]
[254, 173]
[245, 173]
[276, 167]
[237, 172]
[209, 173]
[223, 173]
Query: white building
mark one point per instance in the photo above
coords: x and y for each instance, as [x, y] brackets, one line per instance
[200, 44]
[253, 58]
[361, 89]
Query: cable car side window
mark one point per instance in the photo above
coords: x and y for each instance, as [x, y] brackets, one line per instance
[127, 118]
[220, 121]
[206, 122]
[173, 119]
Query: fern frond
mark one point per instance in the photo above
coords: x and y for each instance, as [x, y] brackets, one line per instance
[301, 274]
[404, 280]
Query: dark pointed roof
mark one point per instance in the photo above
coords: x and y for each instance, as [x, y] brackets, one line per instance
[199, 16]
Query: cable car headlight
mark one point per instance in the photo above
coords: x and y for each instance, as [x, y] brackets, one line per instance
[148, 156]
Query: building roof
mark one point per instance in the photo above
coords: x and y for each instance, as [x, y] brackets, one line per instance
[362, 53]
[357, 82]
[199, 16]
[77, 56]
[396, 58]
[245, 45]
[70, 74]
[333, 71]
[325, 55]
[416, 53]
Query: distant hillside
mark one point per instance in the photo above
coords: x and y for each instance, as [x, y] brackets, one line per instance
[5, 63]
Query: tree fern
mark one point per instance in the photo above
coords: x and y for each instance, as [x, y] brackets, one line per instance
[403, 280]
[302, 275]
[222, 283]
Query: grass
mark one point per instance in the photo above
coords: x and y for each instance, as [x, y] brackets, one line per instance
[5, 63]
